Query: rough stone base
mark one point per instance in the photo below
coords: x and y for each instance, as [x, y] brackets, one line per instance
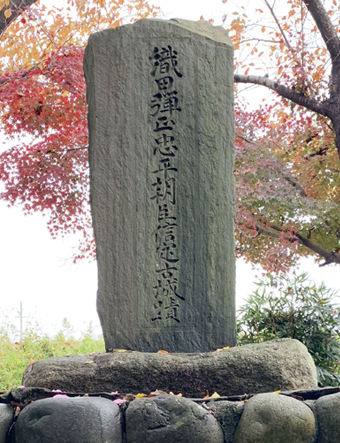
[274, 365]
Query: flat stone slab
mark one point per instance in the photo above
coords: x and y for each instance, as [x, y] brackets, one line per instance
[274, 365]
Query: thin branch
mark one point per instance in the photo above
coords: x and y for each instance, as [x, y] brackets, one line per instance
[259, 40]
[237, 135]
[16, 7]
[295, 184]
[322, 151]
[280, 27]
[251, 237]
[330, 257]
[24, 74]
[246, 88]
[326, 28]
[306, 102]
[267, 232]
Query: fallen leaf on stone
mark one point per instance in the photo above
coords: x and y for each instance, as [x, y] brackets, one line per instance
[162, 352]
[89, 362]
[277, 392]
[157, 392]
[30, 365]
[222, 349]
[119, 350]
[215, 395]
[140, 395]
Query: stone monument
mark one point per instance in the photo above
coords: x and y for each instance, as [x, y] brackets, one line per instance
[160, 99]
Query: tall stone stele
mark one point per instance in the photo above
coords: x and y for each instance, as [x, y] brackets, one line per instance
[160, 98]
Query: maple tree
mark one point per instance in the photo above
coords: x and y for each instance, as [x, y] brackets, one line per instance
[287, 151]
[287, 166]
[42, 95]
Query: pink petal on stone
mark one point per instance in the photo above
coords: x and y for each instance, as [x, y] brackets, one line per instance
[119, 401]
[22, 387]
[57, 390]
[60, 396]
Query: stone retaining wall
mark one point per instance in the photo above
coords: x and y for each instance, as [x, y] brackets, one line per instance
[294, 417]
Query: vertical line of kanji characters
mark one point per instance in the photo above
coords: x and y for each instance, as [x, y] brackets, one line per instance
[164, 109]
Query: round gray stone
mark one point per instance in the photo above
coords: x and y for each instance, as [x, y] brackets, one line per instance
[328, 416]
[171, 419]
[6, 419]
[69, 420]
[273, 418]
[228, 414]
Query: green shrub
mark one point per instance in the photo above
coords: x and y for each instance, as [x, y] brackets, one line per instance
[36, 345]
[283, 307]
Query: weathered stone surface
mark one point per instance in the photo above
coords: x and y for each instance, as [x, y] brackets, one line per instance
[6, 419]
[228, 414]
[281, 364]
[171, 419]
[314, 394]
[69, 420]
[273, 418]
[328, 416]
[160, 96]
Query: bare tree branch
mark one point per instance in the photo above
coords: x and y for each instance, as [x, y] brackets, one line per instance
[295, 184]
[307, 102]
[242, 137]
[326, 28]
[260, 40]
[321, 151]
[280, 27]
[330, 257]
[16, 7]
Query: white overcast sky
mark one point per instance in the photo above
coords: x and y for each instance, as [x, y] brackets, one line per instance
[38, 271]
